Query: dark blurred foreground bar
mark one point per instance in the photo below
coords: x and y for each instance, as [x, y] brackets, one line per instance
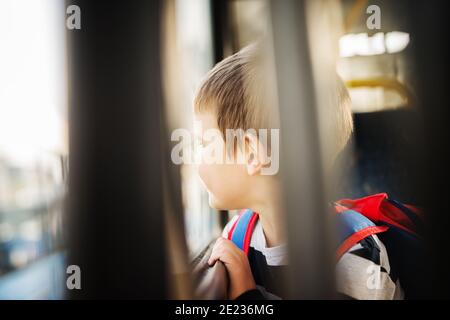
[432, 53]
[115, 194]
[311, 275]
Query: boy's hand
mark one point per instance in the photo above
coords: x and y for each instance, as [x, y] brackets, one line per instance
[238, 267]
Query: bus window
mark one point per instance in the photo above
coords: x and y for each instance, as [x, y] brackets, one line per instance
[189, 52]
[33, 149]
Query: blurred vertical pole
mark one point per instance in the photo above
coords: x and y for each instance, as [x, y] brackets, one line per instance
[222, 47]
[221, 29]
[311, 274]
[115, 200]
[180, 284]
[429, 38]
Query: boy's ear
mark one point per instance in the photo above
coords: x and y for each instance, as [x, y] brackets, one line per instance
[253, 153]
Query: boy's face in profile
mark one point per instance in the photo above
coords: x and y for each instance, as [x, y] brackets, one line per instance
[227, 184]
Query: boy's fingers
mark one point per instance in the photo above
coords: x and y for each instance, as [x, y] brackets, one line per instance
[214, 257]
[211, 261]
[219, 253]
[224, 250]
[215, 254]
[220, 240]
[231, 247]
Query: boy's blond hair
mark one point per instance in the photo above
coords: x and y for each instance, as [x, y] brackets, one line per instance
[240, 90]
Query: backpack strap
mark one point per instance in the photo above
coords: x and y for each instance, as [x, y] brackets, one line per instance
[385, 211]
[354, 227]
[242, 229]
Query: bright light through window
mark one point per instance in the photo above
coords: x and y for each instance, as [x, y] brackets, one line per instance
[362, 44]
[32, 79]
[33, 146]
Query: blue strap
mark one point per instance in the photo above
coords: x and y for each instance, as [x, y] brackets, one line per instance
[241, 228]
[350, 222]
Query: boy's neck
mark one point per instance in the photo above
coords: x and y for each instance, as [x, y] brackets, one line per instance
[271, 215]
[273, 230]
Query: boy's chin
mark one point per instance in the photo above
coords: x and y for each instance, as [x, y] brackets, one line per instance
[213, 203]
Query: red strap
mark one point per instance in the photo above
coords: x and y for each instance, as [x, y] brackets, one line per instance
[369, 206]
[357, 237]
[248, 233]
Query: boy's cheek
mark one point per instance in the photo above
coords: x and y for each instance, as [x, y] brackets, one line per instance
[211, 177]
[207, 178]
[202, 172]
[225, 185]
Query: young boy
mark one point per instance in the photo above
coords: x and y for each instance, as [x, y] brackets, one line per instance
[237, 94]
